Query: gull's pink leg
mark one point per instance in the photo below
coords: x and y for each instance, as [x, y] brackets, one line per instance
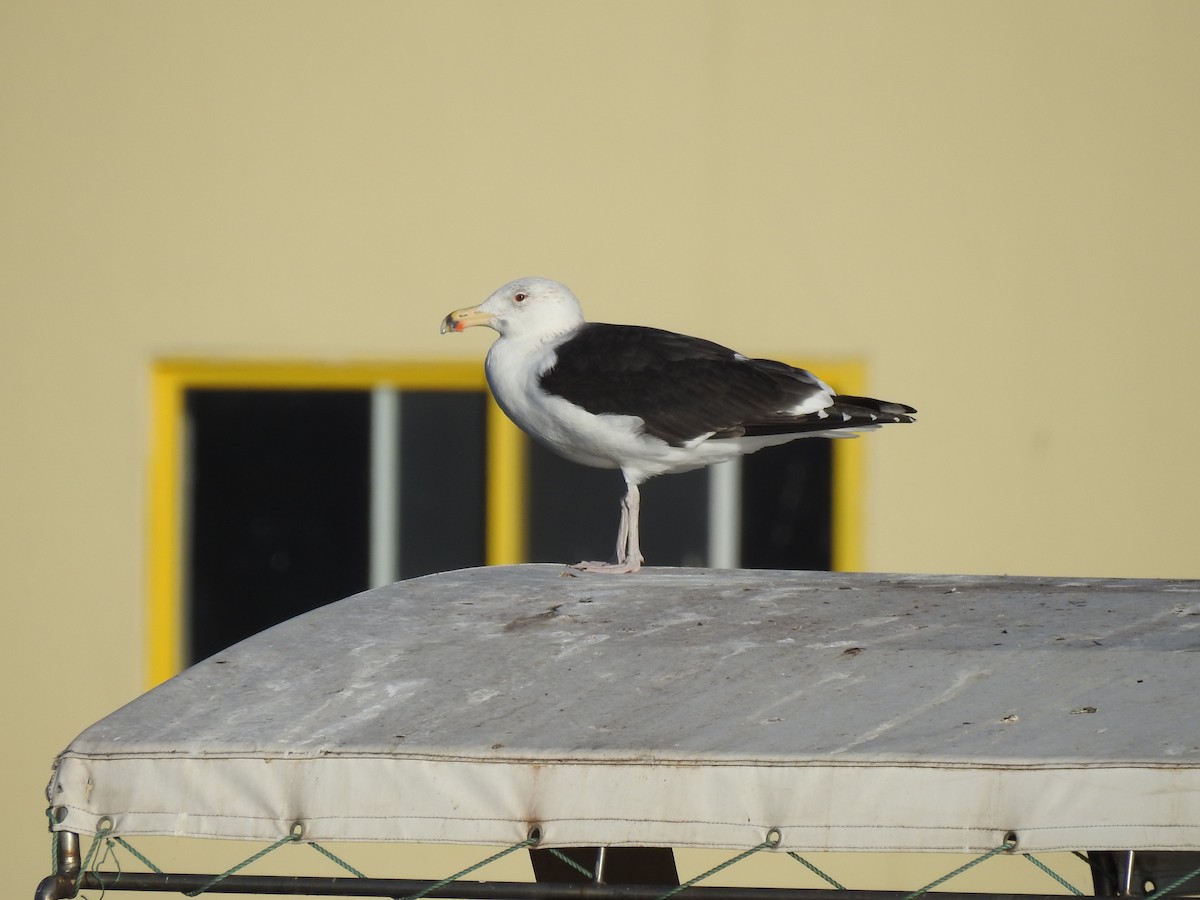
[633, 509]
[623, 531]
[629, 554]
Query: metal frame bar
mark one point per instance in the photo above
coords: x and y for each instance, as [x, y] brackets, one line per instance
[68, 881]
[480, 890]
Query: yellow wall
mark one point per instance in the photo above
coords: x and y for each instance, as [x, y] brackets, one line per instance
[996, 206]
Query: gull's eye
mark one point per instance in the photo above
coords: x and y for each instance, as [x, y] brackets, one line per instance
[519, 296]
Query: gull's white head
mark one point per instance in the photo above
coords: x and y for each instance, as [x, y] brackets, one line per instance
[528, 307]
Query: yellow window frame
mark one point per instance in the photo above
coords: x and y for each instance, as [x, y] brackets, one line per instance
[505, 514]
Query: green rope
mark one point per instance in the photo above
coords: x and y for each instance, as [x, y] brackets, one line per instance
[1174, 884]
[1007, 845]
[528, 842]
[102, 838]
[53, 843]
[729, 862]
[804, 862]
[86, 865]
[259, 855]
[104, 857]
[146, 862]
[87, 860]
[570, 862]
[1049, 871]
[341, 862]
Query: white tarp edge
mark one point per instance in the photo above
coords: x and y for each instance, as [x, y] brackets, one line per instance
[868, 808]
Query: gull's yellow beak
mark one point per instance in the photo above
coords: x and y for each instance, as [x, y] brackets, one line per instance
[465, 318]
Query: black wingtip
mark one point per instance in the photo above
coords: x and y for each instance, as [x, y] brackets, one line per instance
[896, 412]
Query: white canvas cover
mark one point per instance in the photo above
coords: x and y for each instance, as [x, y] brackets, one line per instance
[678, 707]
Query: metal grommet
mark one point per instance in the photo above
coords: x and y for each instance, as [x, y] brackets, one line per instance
[297, 830]
[104, 826]
[1011, 840]
[535, 835]
[774, 837]
[60, 814]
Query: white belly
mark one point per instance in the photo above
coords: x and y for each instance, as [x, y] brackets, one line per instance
[601, 441]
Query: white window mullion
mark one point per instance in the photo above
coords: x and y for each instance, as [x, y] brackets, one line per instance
[725, 514]
[385, 495]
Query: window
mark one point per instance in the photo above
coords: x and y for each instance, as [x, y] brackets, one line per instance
[276, 488]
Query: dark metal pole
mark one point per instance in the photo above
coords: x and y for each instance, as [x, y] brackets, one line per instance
[63, 884]
[483, 890]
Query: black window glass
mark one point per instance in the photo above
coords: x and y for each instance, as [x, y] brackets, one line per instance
[442, 471]
[278, 507]
[787, 506]
[574, 511]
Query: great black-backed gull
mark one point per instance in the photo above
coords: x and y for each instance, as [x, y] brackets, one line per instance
[643, 400]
